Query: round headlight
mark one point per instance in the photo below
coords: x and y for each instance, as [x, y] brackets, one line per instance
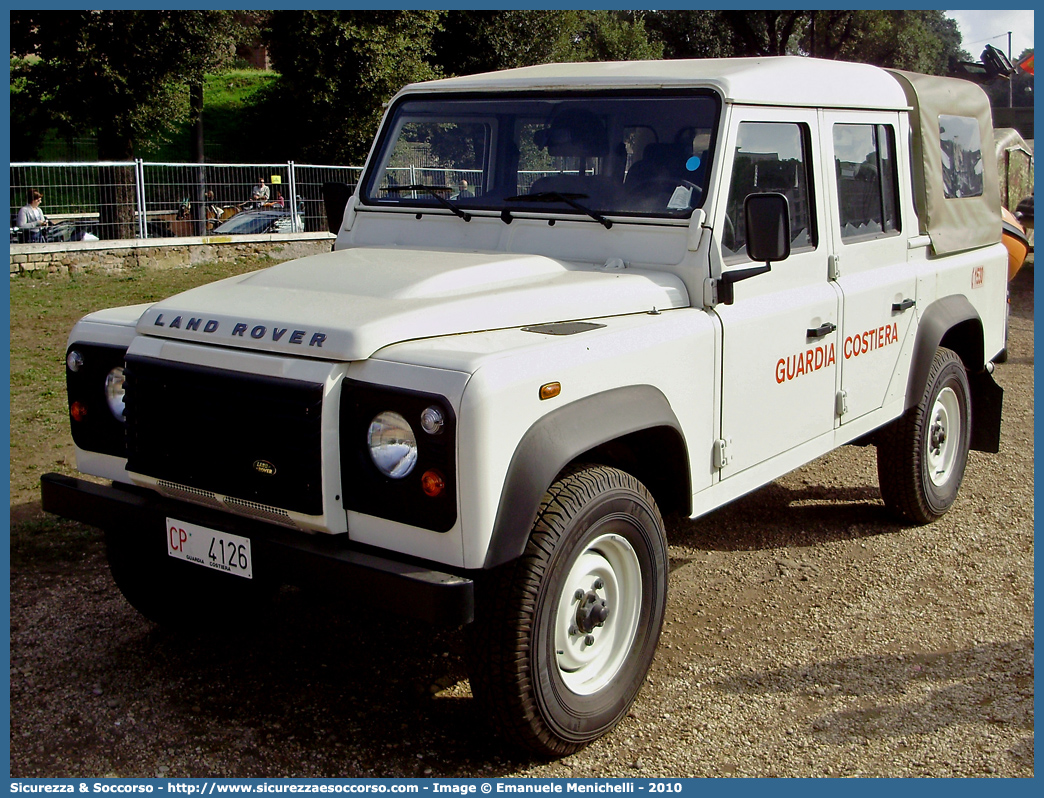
[114, 393]
[74, 360]
[393, 446]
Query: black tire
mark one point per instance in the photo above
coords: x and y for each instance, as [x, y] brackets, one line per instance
[539, 678]
[183, 596]
[921, 457]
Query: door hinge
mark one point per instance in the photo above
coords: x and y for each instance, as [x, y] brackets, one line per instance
[721, 452]
[834, 267]
[841, 403]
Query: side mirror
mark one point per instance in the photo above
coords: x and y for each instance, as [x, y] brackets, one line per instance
[335, 198]
[767, 217]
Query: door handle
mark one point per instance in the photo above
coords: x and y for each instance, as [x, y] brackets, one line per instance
[901, 307]
[821, 330]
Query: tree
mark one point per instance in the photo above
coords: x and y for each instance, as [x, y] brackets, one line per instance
[613, 36]
[337, 70]
[120, 75]
[765, 32]
[485, 41]
[922, 41]
[689, 34]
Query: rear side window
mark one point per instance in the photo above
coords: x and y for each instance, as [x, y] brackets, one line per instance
[961, 156]
[771, 157]
[867, 180]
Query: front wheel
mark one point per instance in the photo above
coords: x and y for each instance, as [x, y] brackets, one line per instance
[921, 456]
[564, 636]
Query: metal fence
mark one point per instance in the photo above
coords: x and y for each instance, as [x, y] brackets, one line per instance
[144, 199]
[139, 199]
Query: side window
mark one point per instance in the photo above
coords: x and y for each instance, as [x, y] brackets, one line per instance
[961, 156]
[867, 180]
[771, 157]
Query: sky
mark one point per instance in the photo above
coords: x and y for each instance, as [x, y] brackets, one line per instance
[979, 28]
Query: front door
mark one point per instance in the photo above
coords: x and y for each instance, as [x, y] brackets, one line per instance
[780, 348]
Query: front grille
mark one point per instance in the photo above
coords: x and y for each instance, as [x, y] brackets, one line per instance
[256, 439]
[209, 499]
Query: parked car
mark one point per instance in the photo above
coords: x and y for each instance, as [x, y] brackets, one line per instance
[267, 220]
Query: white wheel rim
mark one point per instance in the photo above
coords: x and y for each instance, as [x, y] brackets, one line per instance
[944, 434]
[588, 658]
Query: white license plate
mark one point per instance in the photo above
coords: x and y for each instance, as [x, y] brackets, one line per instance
[209, 548]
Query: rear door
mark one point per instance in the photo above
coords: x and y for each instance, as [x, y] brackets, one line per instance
[878, 287]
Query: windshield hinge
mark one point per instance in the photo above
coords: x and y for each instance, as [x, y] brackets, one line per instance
[710, 292]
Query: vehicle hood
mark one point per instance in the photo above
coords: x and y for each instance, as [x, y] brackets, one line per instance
[346, 305]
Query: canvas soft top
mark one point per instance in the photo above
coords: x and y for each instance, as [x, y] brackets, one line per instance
[954, 223]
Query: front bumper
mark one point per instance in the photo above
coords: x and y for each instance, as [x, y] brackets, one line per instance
[411, 588]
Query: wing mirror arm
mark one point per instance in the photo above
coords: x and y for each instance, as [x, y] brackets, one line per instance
[726, 294]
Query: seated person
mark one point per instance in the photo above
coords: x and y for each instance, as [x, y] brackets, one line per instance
[31, 219]
[260, 194]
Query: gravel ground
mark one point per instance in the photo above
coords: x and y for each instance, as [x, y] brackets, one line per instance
[807, 634]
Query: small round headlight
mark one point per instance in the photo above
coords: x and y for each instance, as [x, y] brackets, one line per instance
[74, 360]
[431, 420]
[393, 446]
[114, 393]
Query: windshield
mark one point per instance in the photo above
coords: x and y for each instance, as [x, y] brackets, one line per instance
[606, 153]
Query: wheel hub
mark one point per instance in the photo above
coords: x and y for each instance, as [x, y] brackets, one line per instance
[938, 436]
[591, 612]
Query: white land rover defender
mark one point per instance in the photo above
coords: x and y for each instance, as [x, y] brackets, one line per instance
[664, 285]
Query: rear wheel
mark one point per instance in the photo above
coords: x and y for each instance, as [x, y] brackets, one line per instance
[564, 636]
[921, 457]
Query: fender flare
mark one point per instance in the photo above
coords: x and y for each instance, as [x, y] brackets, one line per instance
[956, 314]
[557, 439]
[938, 319]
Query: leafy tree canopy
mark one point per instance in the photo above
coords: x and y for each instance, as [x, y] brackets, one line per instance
[690, 34]
[484, 41]
[119, 74]
[122, 74]
[337, 69]
[921, 41]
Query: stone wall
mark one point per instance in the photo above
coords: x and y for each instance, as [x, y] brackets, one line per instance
[168, 253]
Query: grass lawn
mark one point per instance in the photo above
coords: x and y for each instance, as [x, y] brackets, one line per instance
[43, 311]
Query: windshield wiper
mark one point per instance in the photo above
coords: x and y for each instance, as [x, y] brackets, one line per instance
[433, 190]
[567, 198]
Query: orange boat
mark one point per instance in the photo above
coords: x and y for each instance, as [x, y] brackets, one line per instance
[1014, 237]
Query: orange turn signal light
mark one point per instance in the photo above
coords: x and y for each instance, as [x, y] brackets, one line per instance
[78, 411]
[550, 390]
[432, 483]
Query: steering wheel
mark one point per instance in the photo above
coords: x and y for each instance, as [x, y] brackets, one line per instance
[648, 191]
[728, 234]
